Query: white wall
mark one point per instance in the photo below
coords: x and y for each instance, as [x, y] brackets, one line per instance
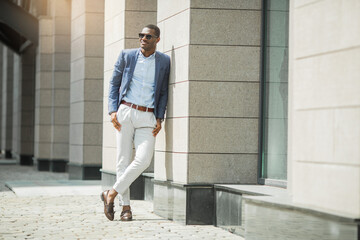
[325, 105]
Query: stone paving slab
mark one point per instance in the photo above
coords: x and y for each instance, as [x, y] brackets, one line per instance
[82, 217]
[54, 188]
[26, 173]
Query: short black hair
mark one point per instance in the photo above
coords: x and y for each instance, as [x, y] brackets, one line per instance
[155, 28]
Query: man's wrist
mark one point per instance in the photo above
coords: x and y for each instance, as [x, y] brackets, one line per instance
[160, 120]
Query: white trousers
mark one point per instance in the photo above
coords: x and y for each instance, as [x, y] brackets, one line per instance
[136, 127]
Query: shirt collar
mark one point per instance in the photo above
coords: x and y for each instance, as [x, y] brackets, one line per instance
[149, 57]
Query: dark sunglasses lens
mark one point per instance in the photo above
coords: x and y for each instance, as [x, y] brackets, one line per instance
[148, 36]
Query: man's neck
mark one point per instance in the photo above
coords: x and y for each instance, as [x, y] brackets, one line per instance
[147, 53]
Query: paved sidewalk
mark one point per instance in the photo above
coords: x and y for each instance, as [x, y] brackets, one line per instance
[82, 217]
[12, 172]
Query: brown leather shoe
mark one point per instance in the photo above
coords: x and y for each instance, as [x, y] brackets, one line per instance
[108, 207]
[126, 215]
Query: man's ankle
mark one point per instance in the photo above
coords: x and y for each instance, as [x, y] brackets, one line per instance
[126, 208]
[111, 195]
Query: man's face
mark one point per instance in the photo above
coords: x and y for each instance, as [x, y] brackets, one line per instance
[148, 44]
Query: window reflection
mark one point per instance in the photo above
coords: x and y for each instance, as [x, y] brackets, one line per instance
[275, 85]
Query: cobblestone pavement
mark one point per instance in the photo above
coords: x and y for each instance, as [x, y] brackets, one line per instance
[82, 217]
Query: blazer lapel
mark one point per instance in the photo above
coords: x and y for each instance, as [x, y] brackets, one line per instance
[157, 72]
[133, 60]
[133, 63]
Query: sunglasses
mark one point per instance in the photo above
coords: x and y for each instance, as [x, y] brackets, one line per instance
[147, 36]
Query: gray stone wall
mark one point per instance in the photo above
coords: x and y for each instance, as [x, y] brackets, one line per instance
[23, 105]
[87, 57]
[27, 102]
[324, 107]
[43, 90]
[211, 127]
[16, 114]
[7, 98]
[60, 12]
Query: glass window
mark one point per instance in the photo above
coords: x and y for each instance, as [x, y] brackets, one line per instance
[275, 90]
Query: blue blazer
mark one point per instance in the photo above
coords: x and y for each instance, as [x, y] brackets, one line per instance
[123, 73]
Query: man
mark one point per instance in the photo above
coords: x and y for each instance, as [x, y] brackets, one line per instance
[138, 96]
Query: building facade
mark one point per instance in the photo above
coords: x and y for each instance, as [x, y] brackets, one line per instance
[262, 133]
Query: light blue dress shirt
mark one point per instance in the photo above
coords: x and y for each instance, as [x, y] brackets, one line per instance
[142, 86]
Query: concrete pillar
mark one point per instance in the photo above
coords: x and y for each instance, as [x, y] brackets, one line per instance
[214, 92]
[26, 103]
[16, 99]
[27, 106]
[43, 92]
[23, 106]
[60, 95]
[86, 88]
[123, 21]
[324, 111]
[7, 101]
[211, 126]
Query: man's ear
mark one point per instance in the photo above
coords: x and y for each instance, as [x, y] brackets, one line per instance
[158, 39]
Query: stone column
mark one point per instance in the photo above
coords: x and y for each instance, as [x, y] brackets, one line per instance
[60, 12]
[211, 126]
[16, 94]
[324, 108]
[43, 92]
[123, 21]
[27, 106]
[7, 101]
[86, 88]
[23, 106]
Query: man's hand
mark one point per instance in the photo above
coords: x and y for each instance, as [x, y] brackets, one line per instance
[158, 127]
[115, 122]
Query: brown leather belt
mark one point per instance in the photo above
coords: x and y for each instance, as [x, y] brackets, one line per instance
[140, 108]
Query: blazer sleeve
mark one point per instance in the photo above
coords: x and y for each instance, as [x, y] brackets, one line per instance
[115, 83]
[164, 92]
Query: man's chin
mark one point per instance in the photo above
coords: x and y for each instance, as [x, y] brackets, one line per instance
[144, 47]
